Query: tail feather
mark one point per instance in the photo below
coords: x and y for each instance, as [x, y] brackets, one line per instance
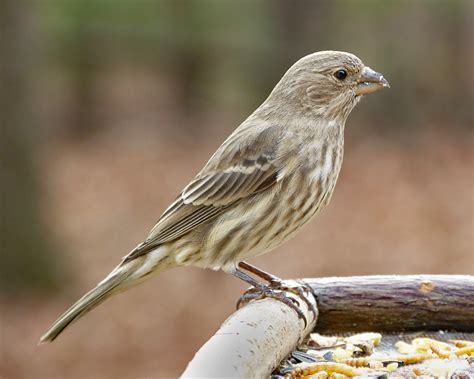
[123, 277]
[85, 304]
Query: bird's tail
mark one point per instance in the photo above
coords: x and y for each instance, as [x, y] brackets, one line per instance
[112, 284]
[126, 275]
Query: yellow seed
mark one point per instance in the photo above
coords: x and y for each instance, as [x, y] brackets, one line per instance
[462, 343]
[375, 338]
[419, 372]
[375, 365]
[392, 366]
[405, 348]
[468, 350]
[335, 375]
[357, 362]
[340, 354]
[329, 367]
[442, 353]
[319, 375]
[426, 343]
[413, 358]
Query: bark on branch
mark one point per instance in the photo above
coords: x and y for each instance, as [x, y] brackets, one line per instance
[395, 303]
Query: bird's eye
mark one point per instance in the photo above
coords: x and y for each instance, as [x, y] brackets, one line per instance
[340, 74]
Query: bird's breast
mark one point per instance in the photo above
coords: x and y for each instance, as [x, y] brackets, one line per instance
[314, 183]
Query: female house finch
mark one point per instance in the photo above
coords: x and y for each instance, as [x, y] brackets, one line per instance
[268, 179]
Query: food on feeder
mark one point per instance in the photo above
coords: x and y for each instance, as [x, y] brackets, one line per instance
[357, 362]
[335, 375]
[375, 365]
[318, 341]
[405, 348]
[392, 366]
[375, 338]
[363, 349]
[320, 375]
[341, 354]
[438, 348]
[417, 371]
[461, 343]
[468, 350]
[425, 345]
[411, 359]
[442, 353]
[329, 367]
[424, 357]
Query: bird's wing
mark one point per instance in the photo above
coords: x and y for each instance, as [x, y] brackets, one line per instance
[245, 164]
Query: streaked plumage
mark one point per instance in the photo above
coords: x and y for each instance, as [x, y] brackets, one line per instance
[267, 180]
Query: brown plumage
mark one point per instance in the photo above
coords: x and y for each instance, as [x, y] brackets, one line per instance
[268, 179]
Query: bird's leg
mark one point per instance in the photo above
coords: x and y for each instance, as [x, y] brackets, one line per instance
[277, 283]
[265, 291]
[270, 278]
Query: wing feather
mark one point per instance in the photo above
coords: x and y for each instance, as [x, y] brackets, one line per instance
[234, 172]
[232, 181]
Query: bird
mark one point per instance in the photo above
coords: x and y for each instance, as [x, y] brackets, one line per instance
[273, 174]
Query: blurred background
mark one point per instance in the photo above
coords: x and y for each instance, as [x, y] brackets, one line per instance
[110, 107]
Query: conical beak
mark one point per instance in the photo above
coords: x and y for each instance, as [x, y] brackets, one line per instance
[370, 81]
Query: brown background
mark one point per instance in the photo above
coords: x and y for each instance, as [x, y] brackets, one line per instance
[111, 107]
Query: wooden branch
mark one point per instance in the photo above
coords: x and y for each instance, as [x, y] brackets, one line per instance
[395, 303]
[256, 338]
[253, 341]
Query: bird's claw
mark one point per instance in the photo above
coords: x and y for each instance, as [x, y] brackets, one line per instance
[276, 292]
[301, 290]
[250, 295]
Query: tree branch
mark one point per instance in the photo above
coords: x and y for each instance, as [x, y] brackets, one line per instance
[256, 338]
[395, 303]
[252, 341]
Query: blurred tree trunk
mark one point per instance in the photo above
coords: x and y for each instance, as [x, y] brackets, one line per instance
[83, 58]
[189, 58]
[83, 119]
[297, 24]
[27, 259]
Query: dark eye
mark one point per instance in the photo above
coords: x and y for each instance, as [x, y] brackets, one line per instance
[340, 74]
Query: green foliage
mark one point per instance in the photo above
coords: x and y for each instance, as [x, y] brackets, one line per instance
[242, 47]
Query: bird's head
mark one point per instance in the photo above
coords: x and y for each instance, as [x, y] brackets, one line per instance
[328, 84]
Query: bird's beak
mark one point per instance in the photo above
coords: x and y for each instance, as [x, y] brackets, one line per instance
[370, 81]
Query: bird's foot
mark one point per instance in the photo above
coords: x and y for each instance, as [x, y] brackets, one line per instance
[276, 289]
[300, 289]
[262, 292]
